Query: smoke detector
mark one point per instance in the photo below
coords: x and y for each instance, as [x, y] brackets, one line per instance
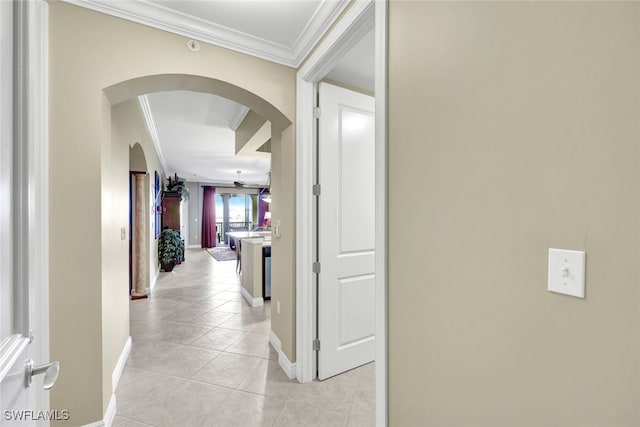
[193, 45]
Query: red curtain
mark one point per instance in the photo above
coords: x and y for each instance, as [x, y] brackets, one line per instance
[209, 218]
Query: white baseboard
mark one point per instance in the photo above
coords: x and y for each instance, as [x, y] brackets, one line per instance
[122, 360]
[194, 247]
[109, 415]
[254, 302]
[288, 367]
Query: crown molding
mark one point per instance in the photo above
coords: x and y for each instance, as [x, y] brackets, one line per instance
[163, 18]
[238, 118]
[318, 25]
[356, 22]
[143, 101]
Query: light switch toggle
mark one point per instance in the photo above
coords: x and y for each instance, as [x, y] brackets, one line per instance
[566, 272]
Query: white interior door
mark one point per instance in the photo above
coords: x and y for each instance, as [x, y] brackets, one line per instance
[14, 348]
[23, 296]
[346, 226]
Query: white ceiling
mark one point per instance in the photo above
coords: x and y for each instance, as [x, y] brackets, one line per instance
[194, 132]
[282, 31]
[195, 136]
[281, 22]
[357, 67]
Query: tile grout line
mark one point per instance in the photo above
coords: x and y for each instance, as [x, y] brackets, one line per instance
[252, 383]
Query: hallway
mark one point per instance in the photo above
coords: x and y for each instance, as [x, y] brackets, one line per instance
[201, 357]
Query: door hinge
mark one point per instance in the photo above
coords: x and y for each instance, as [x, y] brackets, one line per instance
[317, 189]
[316, 267]
[316, 345]
[317, 112]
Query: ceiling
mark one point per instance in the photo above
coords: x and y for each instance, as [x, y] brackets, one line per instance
[195, 135]
[194, 132]
[357, 67]
[282, 31]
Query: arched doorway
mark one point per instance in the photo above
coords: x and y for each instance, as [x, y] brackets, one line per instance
[119, 60]
[129, 90]
[139, 243]
[166, 82]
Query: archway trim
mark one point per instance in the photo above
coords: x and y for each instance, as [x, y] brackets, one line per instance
[164, 82]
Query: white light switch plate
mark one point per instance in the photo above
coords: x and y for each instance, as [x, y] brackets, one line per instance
[566, 272]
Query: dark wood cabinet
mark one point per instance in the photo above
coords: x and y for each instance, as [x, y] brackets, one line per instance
[173, 216]
[172, 211]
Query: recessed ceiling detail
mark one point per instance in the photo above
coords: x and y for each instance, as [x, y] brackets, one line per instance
[277, 30]
[194, 137]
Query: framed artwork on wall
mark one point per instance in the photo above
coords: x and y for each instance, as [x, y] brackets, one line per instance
[158, 204]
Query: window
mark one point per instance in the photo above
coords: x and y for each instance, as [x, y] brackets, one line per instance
[240, 206]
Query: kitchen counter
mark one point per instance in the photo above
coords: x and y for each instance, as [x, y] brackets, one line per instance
[252, 268]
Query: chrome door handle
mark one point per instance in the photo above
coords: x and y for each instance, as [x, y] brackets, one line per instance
[50, 370]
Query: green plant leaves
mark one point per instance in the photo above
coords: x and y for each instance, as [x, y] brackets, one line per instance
[170, 246]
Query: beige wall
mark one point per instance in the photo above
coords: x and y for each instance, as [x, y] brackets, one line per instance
[252, 266]
[129, 127]
[195, 213]
[89, 52]
[115, 252]
[248, 128]
[283, 272]
[517, 125]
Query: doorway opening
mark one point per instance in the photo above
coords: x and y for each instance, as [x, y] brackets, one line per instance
[138, 223]
[230, 215]
[357, 22]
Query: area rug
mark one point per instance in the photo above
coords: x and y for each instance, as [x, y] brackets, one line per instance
[222, 253]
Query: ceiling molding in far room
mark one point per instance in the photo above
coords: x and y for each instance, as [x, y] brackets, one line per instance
[155, 15]
[143, 101]
[237, 120]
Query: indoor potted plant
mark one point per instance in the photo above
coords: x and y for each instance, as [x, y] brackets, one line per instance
[177, 185]
[170, 249]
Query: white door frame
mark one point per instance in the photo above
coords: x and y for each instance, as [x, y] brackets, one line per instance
[30, 177]
[347, 32]
[37, 142]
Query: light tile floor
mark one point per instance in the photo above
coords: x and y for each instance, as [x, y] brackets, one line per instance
[201, 357]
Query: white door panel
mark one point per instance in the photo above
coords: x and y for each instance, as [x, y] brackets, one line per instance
[355, 264]
[14, 397]
[356, 175]
[357, 321]
[23, 217]
[14, 348]
[346, 238]
[6, 155]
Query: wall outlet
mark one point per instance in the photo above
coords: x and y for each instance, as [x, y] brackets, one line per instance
[278, 307]
[123, 233]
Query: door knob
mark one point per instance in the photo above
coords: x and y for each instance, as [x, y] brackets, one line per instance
[50, 370]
